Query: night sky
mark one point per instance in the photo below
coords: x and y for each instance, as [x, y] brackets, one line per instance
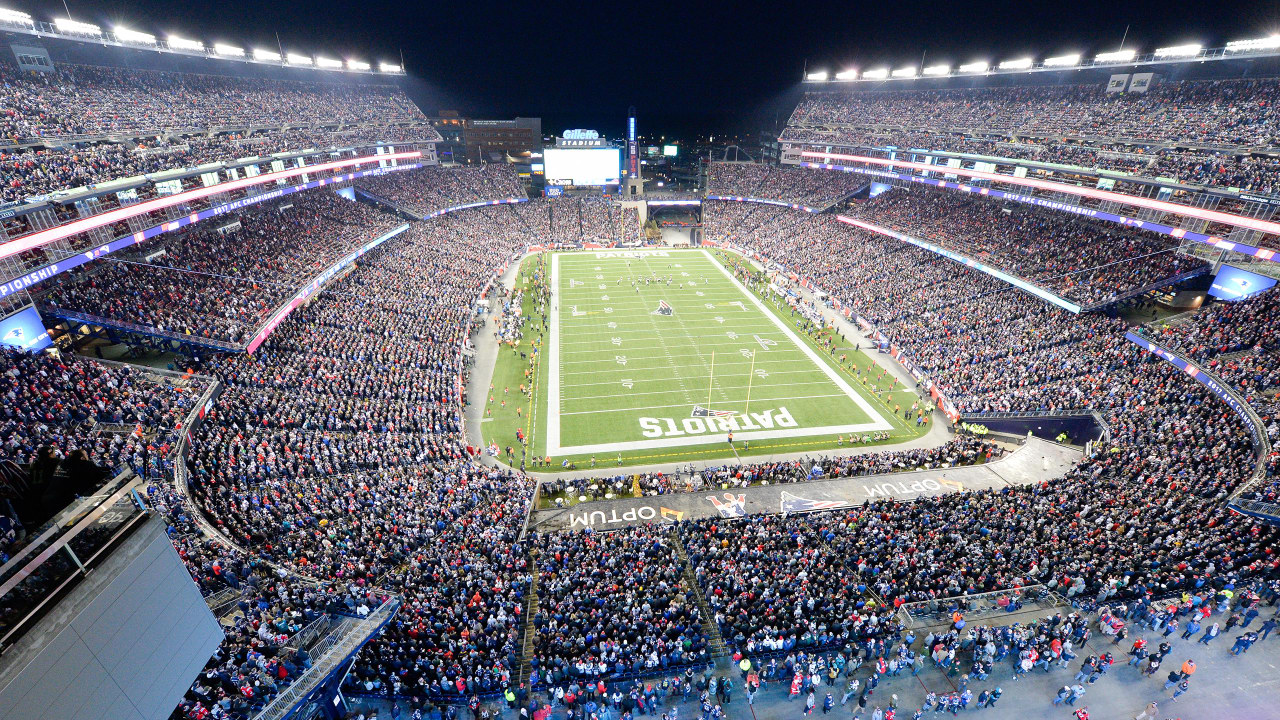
[687, 66]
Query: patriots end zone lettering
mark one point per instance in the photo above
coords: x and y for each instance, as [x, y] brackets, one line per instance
[671, 427]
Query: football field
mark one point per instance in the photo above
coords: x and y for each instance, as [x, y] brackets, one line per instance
[663, 349]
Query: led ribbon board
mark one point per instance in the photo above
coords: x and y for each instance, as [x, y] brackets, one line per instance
[1264, 226]
[44, 237]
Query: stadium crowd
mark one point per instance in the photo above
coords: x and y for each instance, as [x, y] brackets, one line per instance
[431, 189]
[87, 100]
[780, 182]
[963, 450]
[1219, 112]
[28, 172]
[335, 456]
[1214, 168]
[223, 283]
[1086, 262]
[612, 604]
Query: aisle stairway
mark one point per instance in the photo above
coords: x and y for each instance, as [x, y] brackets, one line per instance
[528, 631]
[709, 627]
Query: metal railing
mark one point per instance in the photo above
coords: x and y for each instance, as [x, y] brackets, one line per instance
[329, 655]
[137, 328]
[980, 606]
[35, 578]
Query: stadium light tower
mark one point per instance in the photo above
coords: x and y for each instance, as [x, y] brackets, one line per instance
[180, 43]
[124, 34]
[1063, 61]
[1267, 43]
[16, 17]
[1173, 51]
[1118, 56]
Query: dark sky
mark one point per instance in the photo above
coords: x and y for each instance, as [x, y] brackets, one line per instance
[686, 66]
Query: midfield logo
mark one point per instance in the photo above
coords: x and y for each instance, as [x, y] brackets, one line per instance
[663, 309]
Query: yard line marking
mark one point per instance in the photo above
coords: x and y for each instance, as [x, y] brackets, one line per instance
[685, 405]
[772, 373]
[668, 392]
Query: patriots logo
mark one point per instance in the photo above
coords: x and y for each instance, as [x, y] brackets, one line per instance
[699, 411]
[796, 504]
[14, 336]
[663, 309]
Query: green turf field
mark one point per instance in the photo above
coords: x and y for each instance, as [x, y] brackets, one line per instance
[659, 371]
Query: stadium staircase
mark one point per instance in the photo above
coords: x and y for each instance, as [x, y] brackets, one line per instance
[528, 631]
[718, 647]
[333, 646]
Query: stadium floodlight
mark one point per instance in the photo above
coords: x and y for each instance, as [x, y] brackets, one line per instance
[75, 27]
[1266, 43]
[877, 74]
[16, 17]
[325, 62]
[387, 67]
[1063, 61]
[1019, 64]
[974, 67]
[906, 72]
[1118, 56]
[180, 43]
[296, 59]
[1179, 51]
[133, 36]
[819, 76]
[850, 74]
[228, 50]
[357, 64]
[269, 55]
[936, 70]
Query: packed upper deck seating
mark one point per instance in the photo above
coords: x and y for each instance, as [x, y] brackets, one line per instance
[432, 189]
[1086, 262]
[85, 100]
[221, 284]
[1079, 125]
[27, 173]
[797, 185]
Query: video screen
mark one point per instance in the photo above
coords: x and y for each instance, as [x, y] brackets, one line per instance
[25, 331]
[586, 166]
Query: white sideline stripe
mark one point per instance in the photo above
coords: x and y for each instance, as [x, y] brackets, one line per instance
[715, 438]
[685, 405]
[804, 348]
[669, 392]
